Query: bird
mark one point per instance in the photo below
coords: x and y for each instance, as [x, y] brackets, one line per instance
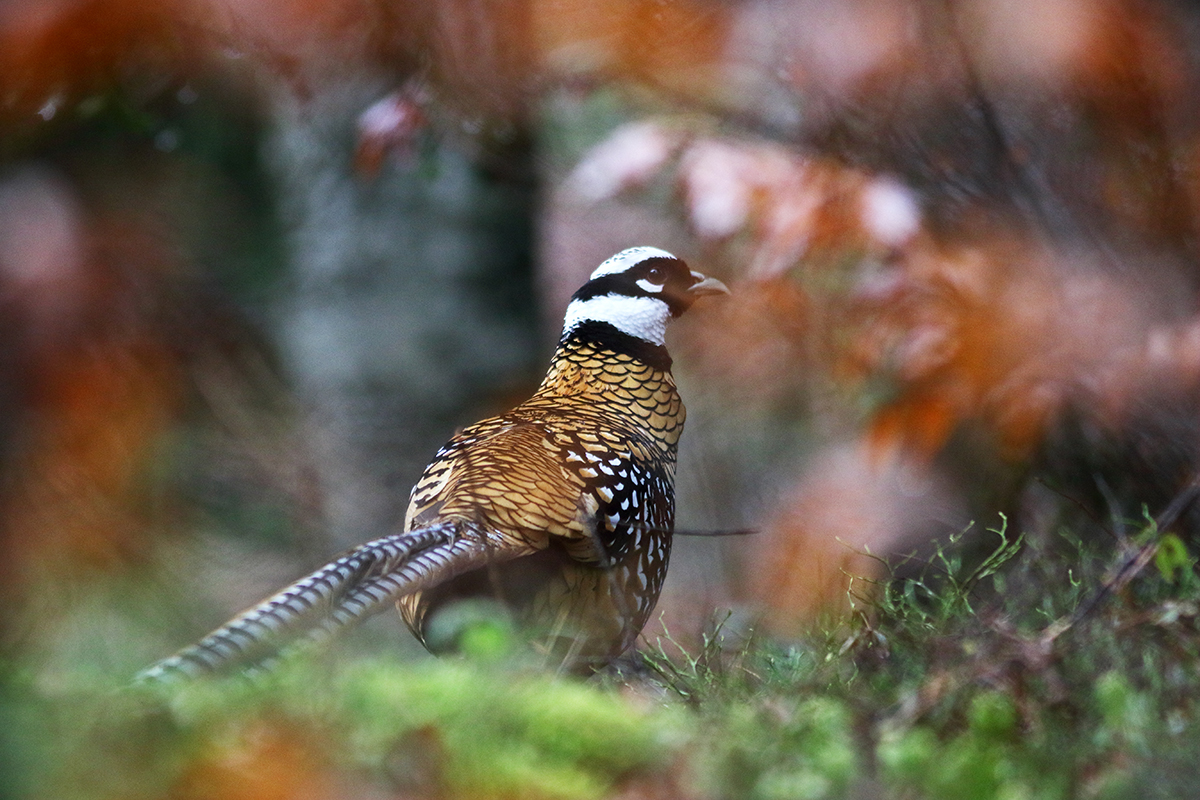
[560, 510]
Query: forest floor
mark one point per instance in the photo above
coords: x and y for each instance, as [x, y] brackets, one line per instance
[1048, 669]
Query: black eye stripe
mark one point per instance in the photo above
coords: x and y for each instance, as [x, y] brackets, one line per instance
[598, 287]
[663, 266]
[625, 283]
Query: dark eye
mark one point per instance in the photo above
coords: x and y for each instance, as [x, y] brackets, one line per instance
[657, 275]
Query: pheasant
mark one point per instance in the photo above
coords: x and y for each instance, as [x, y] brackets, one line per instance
[561, 510]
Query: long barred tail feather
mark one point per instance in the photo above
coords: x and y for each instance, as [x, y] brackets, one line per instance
[348, 590]
[422, 571]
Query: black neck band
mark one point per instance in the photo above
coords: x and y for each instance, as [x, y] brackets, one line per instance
[605, 335]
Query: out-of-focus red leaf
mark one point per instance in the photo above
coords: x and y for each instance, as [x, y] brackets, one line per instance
[813, 556]
[757, 340]
[263, 760]
[1108, 53]
[676, 46]
[793, 210]
[390, 127]
[629, 158]
[782, 208]
[725, 182]
[999, 331]
[95, 380]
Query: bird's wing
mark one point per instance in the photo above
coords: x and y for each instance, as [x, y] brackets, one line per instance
[506, 474]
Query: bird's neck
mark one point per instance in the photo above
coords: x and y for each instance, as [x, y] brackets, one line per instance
[599, 362]
[602, 337]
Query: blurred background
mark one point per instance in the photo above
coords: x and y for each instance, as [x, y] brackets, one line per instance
[258, 260]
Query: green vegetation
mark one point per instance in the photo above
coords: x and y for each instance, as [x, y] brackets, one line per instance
[1039, 670]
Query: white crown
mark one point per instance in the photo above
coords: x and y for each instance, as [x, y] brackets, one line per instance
[628, 258]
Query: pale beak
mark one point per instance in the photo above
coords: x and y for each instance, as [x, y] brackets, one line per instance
[705, 285]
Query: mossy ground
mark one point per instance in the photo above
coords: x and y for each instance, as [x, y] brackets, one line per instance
[1045, 669]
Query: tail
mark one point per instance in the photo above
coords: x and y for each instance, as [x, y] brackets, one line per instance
[360, 584]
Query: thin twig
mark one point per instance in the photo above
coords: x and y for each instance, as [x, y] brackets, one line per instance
[1132, 566]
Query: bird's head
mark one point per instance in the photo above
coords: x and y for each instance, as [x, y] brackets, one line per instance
[638, 291]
